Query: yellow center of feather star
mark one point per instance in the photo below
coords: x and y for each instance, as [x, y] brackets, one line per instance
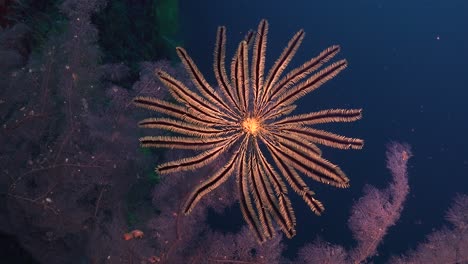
[251, 126]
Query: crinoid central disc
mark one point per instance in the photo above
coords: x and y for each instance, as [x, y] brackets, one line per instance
[251, 125]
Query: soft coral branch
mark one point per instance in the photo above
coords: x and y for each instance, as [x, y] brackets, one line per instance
[371, 215]
[378, 210]
[447, 245]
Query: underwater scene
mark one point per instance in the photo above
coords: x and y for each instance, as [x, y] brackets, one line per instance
[243, 132]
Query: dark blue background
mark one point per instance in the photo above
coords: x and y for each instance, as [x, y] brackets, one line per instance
[408, 71]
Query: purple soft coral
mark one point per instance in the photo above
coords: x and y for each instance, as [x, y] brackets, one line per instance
[371, 215]
[378, 209]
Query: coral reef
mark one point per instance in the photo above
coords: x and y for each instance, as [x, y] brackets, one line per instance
[76, 188]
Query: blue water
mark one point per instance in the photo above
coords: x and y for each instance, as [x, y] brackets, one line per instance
[408, 70]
